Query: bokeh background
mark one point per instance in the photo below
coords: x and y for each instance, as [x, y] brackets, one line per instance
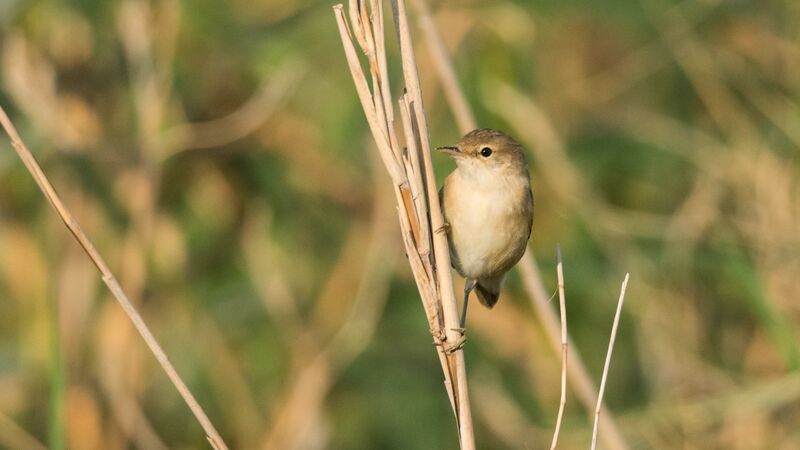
[218, 156]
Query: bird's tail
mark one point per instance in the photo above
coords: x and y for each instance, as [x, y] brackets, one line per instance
[488, 290]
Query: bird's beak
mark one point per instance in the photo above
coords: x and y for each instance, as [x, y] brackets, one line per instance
[451, 151]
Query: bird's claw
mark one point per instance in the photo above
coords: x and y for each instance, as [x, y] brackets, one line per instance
[458, 345]
[445, 228]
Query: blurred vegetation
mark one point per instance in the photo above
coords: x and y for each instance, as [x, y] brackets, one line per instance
[217, 155]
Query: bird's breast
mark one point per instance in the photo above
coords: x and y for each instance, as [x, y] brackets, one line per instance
[489, 223]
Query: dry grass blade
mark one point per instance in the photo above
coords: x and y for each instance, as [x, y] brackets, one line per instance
[608, 360]
[564, 345]
[108, 278]
[411, 170]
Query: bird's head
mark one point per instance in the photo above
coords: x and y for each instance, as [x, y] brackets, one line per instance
[487, 148]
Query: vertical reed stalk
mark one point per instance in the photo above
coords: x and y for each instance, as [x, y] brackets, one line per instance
[411, 171]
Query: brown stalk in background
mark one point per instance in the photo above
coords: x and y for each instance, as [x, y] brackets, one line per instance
[108, 278]
[411, 171]
[368, 257]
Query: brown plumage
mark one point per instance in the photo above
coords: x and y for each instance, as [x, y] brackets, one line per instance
[488, 205]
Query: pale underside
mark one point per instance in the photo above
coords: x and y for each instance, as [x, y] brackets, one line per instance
[489, 217]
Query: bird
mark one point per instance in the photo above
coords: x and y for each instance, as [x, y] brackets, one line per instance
[487, 204]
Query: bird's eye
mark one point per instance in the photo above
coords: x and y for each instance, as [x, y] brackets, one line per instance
[486, 152]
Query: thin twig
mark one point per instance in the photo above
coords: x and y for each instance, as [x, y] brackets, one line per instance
[608, 360]
[108, 278]
[564, 345]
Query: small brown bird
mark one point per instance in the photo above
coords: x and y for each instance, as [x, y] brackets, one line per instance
[488, 206]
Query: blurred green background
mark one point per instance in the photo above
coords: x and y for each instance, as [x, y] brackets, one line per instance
[218, 156]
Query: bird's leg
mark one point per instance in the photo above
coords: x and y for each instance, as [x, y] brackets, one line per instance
[468, 286]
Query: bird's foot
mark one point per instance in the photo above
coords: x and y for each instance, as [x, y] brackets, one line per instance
[458, 345]
[445, 228]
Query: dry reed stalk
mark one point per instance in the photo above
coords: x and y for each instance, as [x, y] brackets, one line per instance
[108, 278]
[578, 375]
[414, 184]
[564, 346]
[608, 360]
